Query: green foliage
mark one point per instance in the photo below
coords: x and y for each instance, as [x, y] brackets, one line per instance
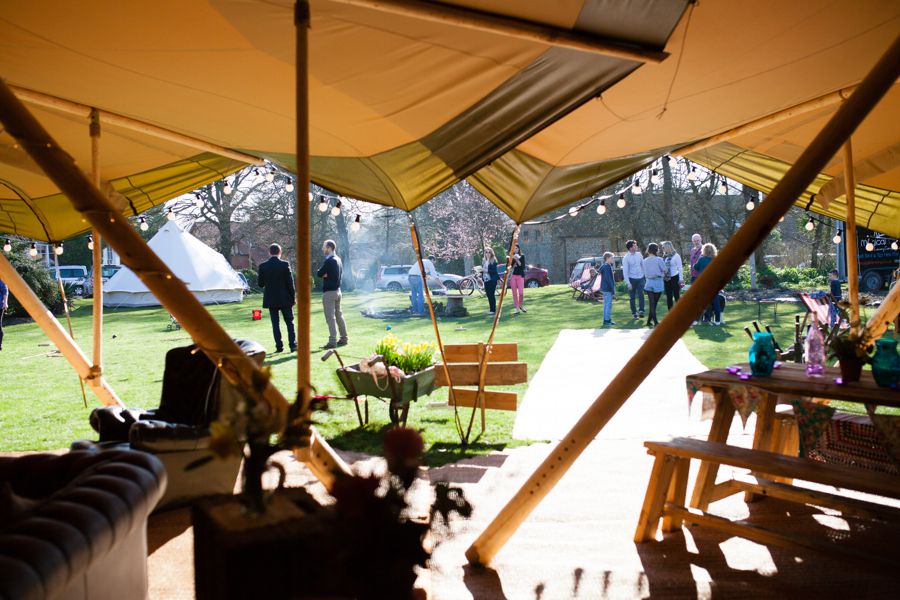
[38, 279]
[787, 277]
[410, 358]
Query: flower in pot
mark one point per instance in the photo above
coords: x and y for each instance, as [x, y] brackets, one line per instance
[849, 347]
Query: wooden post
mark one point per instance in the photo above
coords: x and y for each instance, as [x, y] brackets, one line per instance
[98, 250]
[754, 230]
[511, 27]
[451, 392]
[57, 334]
[301, 203]
[851, 242]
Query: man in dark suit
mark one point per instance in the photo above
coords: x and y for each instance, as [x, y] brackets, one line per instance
[278, 295]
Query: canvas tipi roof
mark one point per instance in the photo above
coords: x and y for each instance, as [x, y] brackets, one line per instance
[205, 272]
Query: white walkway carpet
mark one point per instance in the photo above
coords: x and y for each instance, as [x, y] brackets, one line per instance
[578, 368]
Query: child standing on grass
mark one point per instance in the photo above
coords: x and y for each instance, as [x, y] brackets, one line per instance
[607, 287]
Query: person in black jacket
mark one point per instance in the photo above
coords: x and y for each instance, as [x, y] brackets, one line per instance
[331, 271]
[278, 295]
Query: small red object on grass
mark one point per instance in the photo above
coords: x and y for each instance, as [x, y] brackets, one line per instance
[257, 314]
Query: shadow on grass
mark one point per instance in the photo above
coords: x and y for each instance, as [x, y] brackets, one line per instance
[711, 332]
[369, 439]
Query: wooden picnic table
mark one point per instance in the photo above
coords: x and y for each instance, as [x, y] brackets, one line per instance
[787, 382]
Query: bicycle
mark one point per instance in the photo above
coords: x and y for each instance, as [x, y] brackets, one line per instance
[467, 285]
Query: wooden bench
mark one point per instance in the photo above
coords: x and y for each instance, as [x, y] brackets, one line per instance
[464, 363]
[667, 489]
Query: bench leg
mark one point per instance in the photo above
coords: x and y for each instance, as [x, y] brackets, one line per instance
[657, 488]
[706, 476]
[677, 494]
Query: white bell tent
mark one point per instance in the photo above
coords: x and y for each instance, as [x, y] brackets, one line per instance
[205, 272]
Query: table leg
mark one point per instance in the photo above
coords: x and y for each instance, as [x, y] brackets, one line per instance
[764, 436]
[706, 476]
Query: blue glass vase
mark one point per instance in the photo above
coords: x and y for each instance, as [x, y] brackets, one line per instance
[886, 362]
[762, 355]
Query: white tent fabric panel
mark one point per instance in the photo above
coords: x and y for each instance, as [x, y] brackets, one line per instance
[205, 272]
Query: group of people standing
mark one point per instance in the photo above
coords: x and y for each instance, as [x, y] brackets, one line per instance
[659, 271]
[491, 276]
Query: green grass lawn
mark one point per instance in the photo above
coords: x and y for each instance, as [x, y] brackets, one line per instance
[41, 405]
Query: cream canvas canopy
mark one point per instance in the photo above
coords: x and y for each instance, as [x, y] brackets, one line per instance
[731, 63]
[206, 272]
[401, 108]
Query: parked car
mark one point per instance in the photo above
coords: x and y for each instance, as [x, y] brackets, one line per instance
[106, 271]
[394, 278]
[595, 262]
[534, 276]
[72, 275]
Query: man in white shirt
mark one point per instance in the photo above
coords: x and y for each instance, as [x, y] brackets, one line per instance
[417, 284]
[633, 274]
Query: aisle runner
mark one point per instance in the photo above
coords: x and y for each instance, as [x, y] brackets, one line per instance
[580, 365]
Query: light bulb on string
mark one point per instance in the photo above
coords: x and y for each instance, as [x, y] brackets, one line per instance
[750, 204]
[573, 211]
[143, 224]
[654, 177]
[336, 209]
[323, 206]
[289, 186]
[227, 189]
[170, 214]
[781, 219]
[869, 246]
[58, 249]
[810, 225]
[256, 174]
[198, 200]
[723, 188]
[837, 238]
[692, 176]
[601, 208]
[32, 252]
[270, 175]
[636, 187]
[90, 242]
[355, 225]
[621, 201]
[673, 162]
[7, 246]
[894, 245]
[311, 197]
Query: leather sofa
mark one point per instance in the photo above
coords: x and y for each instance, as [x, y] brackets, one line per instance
[75, 525]
[177, 432]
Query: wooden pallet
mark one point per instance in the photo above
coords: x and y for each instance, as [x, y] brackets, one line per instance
[464, 363]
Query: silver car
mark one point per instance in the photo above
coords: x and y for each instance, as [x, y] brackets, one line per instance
[394, 278]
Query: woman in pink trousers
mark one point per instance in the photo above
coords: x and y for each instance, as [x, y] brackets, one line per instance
[517, 281]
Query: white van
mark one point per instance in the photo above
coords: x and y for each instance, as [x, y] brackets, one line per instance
[73, 275]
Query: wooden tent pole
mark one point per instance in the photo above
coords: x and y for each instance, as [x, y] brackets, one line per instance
[451, 392]
[756, 227]
[54, 330]
[468, 18]
[98, 250]
[117, 120]
[850, 238]
[301, 204]
[803, 108]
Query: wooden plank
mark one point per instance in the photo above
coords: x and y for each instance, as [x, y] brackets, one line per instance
[492, 400]
[770, 463]
[792, 493]
[677, 493]
[466, 353]
[718, 432]
[767, 536]
[469, 374]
